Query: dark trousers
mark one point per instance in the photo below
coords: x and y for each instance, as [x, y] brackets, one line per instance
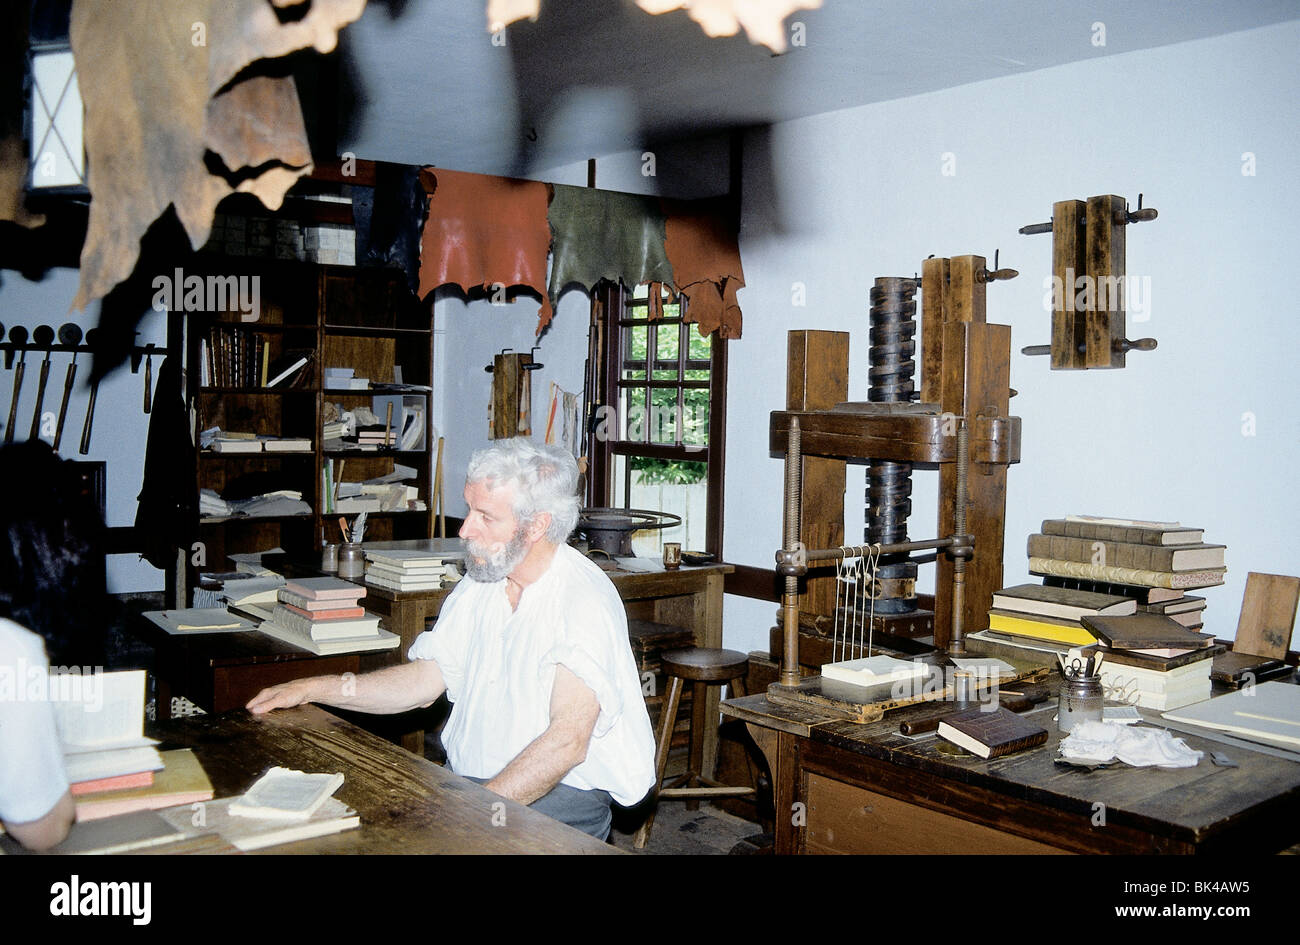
[588, 811]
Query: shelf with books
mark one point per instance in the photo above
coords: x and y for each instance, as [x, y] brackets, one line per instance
[363, 323]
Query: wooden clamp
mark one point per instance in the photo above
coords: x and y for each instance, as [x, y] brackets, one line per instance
[1088, 282]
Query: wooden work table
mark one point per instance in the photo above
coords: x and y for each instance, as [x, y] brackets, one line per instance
[868, 789]
[406, 804]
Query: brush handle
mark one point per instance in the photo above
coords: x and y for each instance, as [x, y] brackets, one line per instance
[90, 416]
[35, 431]
[13, 404]
[63, 407]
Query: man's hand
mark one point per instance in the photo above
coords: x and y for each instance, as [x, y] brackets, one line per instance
[295, 692]
[395, 689]
[559, 749]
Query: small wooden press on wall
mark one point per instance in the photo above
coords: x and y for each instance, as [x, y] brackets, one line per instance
[1089, 279]
[511, 394]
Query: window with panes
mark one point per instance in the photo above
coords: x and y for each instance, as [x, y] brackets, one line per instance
[659, 436]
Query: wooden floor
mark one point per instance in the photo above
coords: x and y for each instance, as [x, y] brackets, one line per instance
[678, 832]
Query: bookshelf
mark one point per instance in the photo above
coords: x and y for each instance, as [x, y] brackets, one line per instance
[343, 317]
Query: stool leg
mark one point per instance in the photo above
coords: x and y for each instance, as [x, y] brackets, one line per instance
[699, 719]
[667, 722]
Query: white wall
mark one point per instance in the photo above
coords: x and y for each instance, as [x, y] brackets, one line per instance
[467, 335]
[120, 426]
[860, 193]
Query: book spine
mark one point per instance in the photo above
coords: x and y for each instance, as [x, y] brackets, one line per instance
[1138, 594]
[1097, 531]
[1020, 744]
[338, 613]
[1141, 557]
[1140, 577]
[1057, 633]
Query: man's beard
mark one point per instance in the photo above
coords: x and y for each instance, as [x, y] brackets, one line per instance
[487, 566]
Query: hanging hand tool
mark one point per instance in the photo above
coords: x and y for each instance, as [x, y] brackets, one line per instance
[70, 335]
[148, 378]
[43, 336]
[17, 338]
[91, 338]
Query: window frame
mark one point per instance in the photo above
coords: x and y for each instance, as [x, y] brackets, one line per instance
[613, 303]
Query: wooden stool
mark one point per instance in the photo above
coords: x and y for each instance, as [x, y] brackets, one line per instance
[703, 667]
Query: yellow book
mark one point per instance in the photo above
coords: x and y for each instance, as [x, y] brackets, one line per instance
[1073, 634]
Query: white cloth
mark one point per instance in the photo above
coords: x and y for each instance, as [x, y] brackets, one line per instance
[1140, 747]
[32, 779]
[499, 667]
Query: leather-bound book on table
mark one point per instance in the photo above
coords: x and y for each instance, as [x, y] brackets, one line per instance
[991, 734]
[1142, 631]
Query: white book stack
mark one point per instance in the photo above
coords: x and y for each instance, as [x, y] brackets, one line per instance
[409, 570]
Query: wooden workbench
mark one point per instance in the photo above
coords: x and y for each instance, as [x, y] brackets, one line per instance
[406, 804]
[845, 787]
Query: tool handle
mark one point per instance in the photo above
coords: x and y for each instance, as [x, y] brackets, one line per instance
[1142, 344]
[90, 416]
[63, 407]
[35, 431]
[1037, 349]
[13, 404]
[148, 385]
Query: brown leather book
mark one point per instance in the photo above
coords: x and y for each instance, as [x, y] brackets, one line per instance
[1142, 631]
[991, 734]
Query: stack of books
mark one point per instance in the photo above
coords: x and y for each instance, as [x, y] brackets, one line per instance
[344, 378]
[1036, 613]
[409, 570]
[331, 434]
[376, 436]
[1152, 661]
[100, 720]
[1154, 563]
[182, 780]
[324, 615]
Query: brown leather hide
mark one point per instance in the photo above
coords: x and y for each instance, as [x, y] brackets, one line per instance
[485, 230]
[701, 245]
[152, 74]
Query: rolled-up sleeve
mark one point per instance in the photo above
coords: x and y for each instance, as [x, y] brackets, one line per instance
[578, 658]
[446, 644]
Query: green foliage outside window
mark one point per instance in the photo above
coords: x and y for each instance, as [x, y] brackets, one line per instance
[695, 401]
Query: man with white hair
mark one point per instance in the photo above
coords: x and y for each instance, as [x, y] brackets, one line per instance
[531, 649]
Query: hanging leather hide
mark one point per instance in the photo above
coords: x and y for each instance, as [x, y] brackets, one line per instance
[763, 20]
[701, 244]
[600, 234]
[485, 231]
[157, 77]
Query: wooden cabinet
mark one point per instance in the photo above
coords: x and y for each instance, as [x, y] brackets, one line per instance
[364, 319]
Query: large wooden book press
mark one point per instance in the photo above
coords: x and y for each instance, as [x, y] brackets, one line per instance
[960, 425]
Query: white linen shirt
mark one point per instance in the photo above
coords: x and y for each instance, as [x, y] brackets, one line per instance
[499, 667]
[32, 778]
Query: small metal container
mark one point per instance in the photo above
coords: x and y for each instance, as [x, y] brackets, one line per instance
[1081, 701]
[352, 563]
